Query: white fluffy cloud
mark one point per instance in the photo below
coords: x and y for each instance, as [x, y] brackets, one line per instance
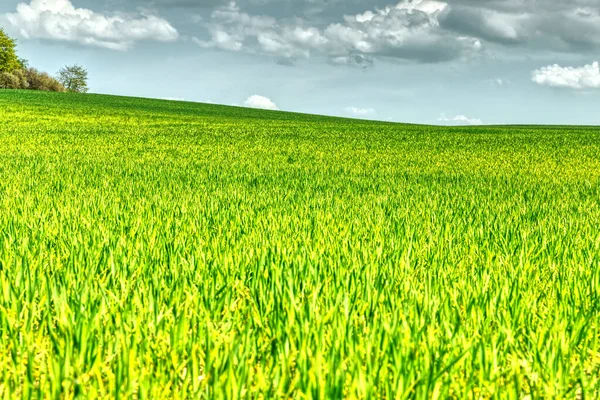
[586, 77]
[360, 112]
[262, 102]
[409, 30]
[460, 120]
[60, 20]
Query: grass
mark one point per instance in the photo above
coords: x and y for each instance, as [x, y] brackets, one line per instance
[153, 249]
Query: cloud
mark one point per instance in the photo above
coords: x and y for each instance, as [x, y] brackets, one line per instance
[232, 30]
[357, 32]
[488, 24]
[578, 78]
[359, 112]
[262, 102]
[497, 82]
[409, 30]
[460, 120]
[173, 98]
[352, 60]
[344, 32]
[572, 26]
[60, 20]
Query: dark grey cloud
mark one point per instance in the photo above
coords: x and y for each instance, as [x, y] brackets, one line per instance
[426, 31]
[343, 32]
[410, 30]
[317, 11]
[572, 26]
[484, 24]
[187, 3]
[352, 60]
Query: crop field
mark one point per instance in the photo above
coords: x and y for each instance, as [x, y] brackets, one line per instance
[153, 249]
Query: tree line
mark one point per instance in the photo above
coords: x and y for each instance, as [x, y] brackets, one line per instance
[15, 72]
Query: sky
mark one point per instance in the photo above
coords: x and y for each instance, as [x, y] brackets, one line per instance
[453, 62]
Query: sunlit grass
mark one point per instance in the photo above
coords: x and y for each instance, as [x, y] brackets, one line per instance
[157, 249]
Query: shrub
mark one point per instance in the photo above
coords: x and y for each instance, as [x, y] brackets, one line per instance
[13, 80]
[9, 81]
[42, 81]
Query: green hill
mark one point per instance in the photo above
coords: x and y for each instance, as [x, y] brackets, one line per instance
[159, 249]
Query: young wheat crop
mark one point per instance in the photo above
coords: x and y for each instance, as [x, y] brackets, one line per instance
[153, 249]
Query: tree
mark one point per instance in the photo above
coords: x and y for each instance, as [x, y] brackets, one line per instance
[24, 63]
[74, 78]
[9, 61]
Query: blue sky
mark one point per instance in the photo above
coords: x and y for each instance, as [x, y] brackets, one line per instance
[422, 61]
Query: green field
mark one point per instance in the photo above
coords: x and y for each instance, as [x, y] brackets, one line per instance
[153, 249]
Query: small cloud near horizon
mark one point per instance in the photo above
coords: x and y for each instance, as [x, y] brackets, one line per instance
[262, 102]
[360, 112]
[459, 120]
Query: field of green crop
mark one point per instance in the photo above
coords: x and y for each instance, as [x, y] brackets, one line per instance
[153, 249]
